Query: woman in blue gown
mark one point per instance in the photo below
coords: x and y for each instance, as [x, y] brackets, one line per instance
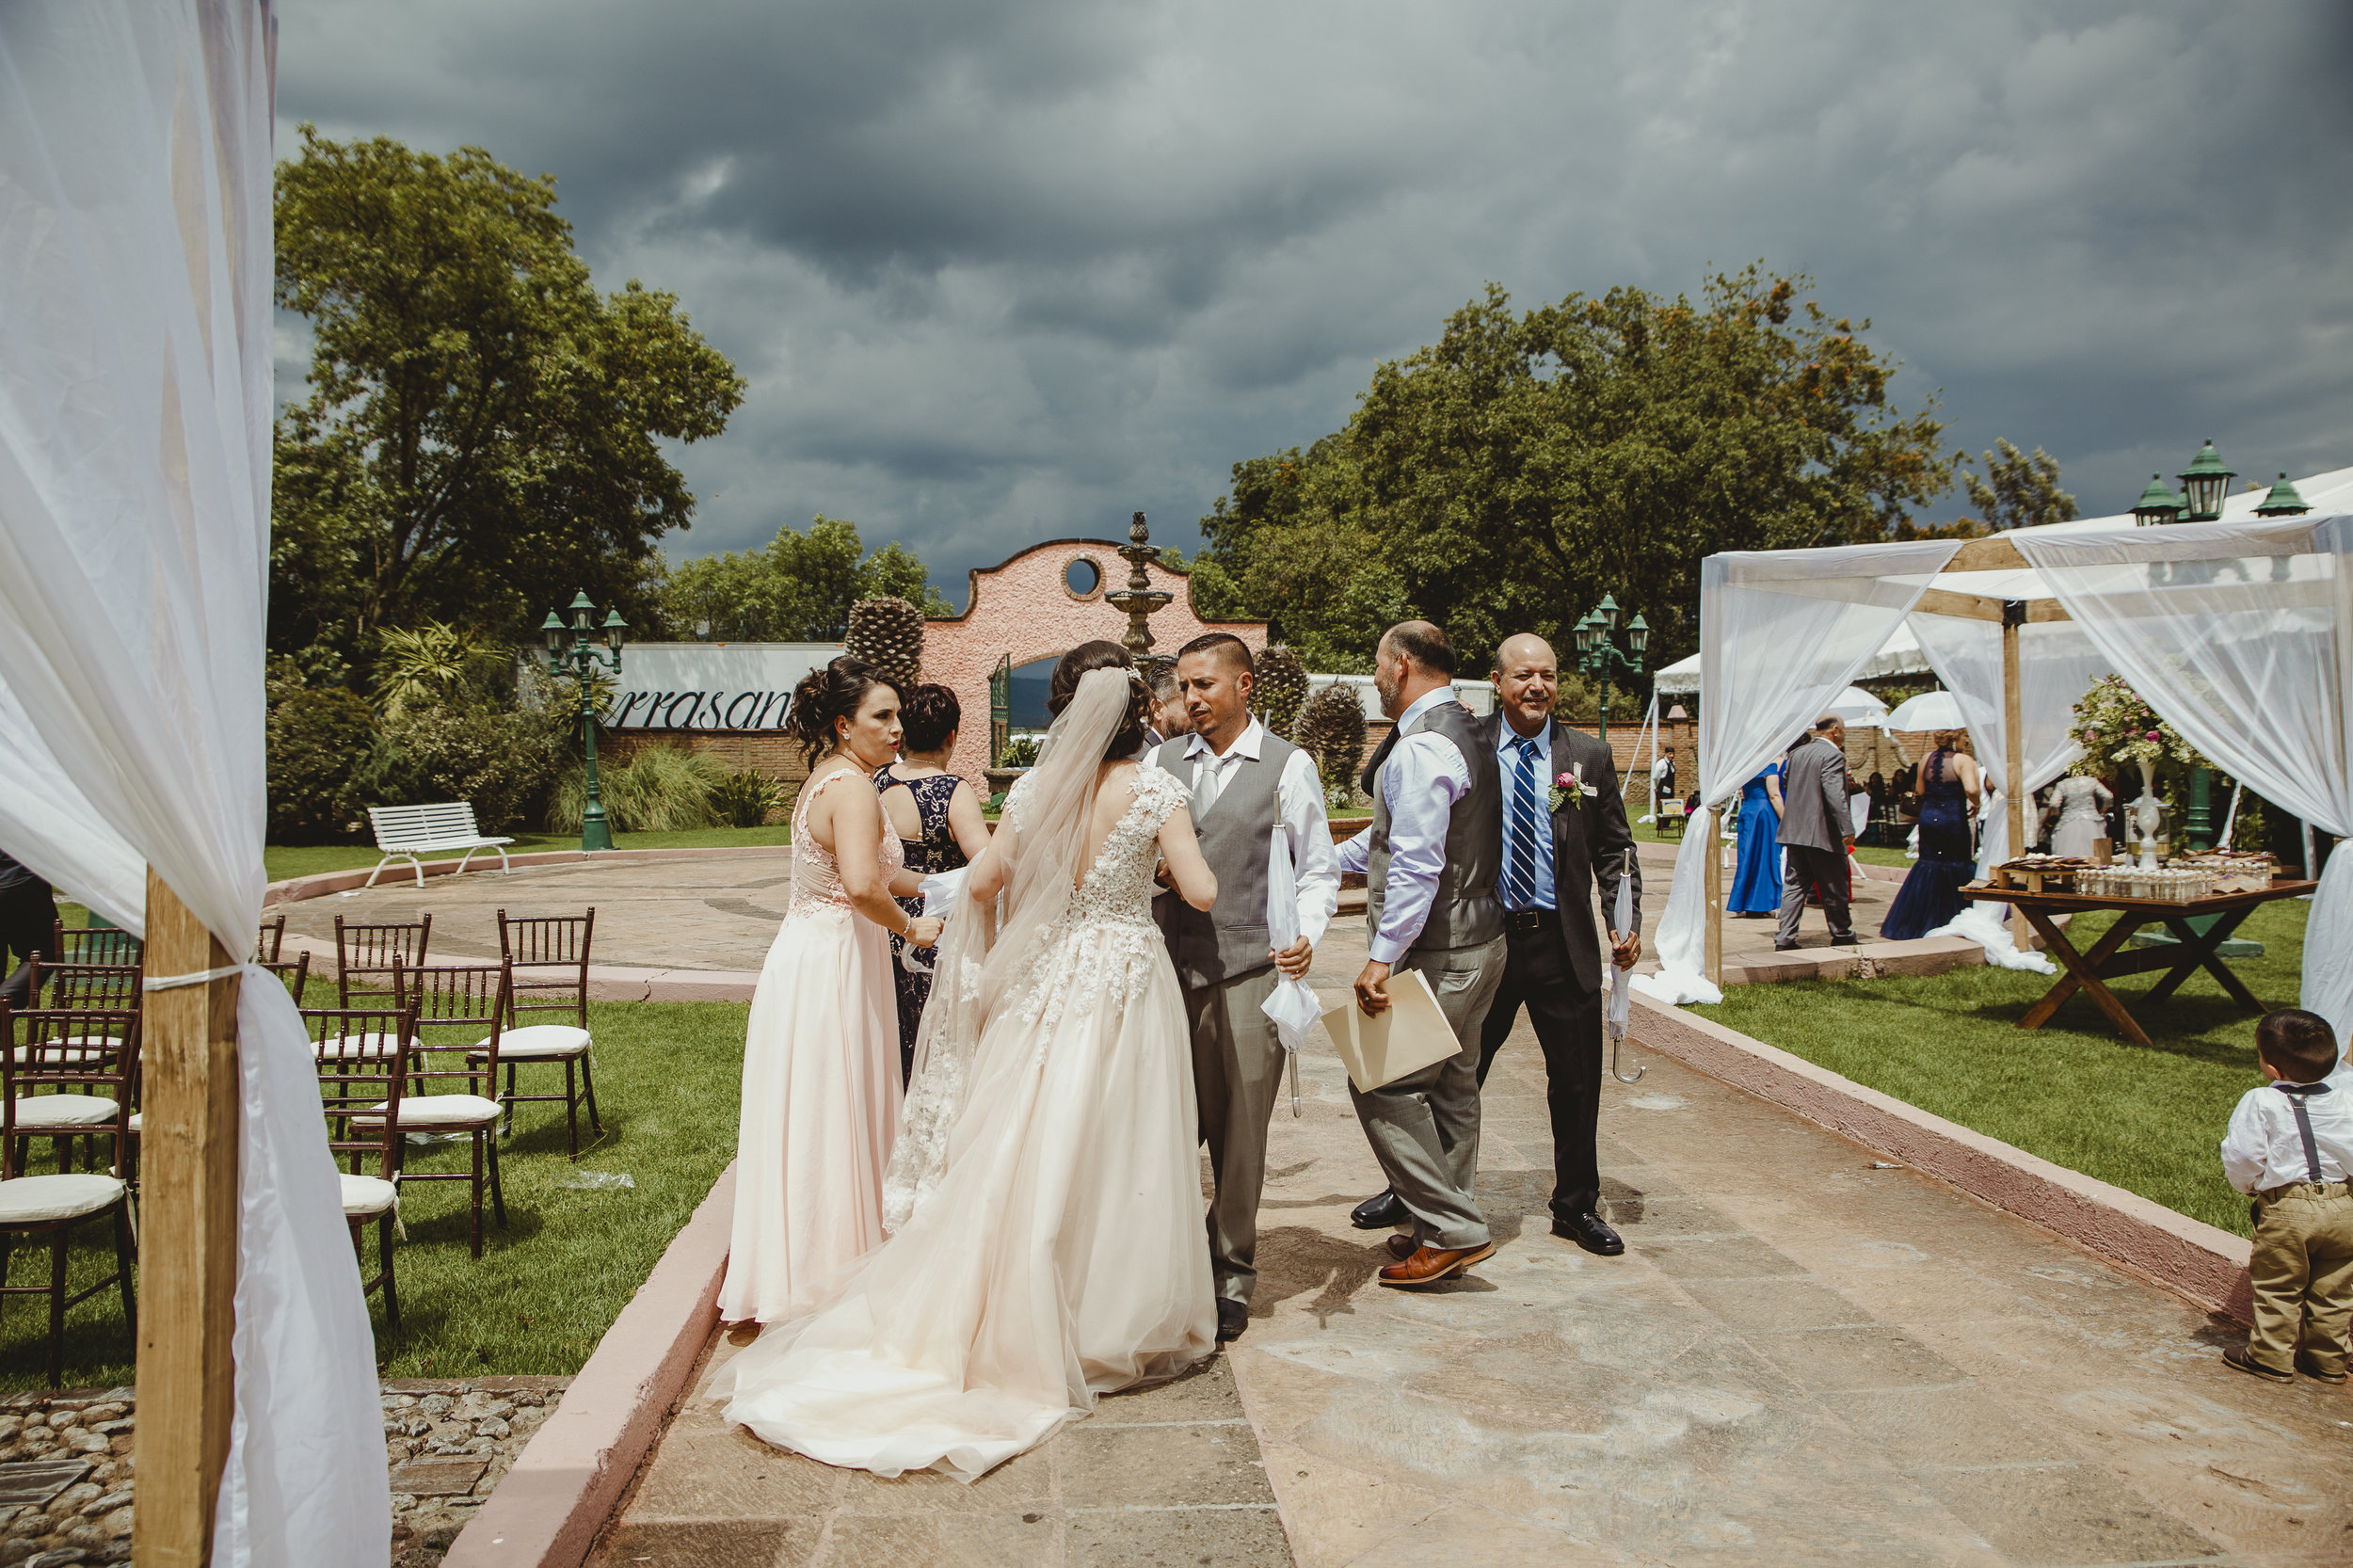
[1930, 896]
[1756, 876]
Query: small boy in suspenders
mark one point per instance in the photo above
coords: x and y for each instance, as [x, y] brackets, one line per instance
[2291, 1146]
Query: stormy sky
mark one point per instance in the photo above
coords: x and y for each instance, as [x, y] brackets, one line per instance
[1003, 272]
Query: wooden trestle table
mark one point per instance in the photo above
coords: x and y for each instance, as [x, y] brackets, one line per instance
[2088, 971]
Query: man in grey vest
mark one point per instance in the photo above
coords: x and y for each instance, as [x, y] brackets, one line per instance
[1429, 862]
[1246, 784]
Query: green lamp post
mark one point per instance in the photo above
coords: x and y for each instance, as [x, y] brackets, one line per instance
[584, 656]
[2157, 505]
[1597, 652]
[2205, 482]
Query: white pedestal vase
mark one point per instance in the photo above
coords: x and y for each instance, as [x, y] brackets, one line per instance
[2148, 815]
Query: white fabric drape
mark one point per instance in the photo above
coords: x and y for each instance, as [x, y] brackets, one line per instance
[2240, 634]
[135, 464]
[1781, 633]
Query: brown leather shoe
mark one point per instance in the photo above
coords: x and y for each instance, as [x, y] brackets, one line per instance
[2244, 1360]
[1429, 1265]
[2308, 1365]
[1400, 1247]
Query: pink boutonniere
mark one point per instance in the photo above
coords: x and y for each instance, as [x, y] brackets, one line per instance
[1571, 786]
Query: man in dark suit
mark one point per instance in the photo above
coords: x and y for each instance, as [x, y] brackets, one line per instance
[1816, 832]
[1553, 858]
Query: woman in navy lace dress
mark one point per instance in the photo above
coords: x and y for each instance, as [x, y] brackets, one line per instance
[1930, 896]
[938, 817]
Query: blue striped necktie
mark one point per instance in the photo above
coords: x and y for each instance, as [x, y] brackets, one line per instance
[1521, 873]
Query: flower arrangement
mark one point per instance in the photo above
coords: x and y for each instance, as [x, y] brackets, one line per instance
[2112, 722]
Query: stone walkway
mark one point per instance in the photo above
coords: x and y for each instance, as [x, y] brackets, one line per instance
[1803, 1357]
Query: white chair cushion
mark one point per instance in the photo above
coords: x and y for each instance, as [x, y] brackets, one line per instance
[30, 1199]
[365, 1198]
[541, 1043]
[439, 1110]
[72, 1051]
[55, 1111]
[355, 1048]
[138, 1119]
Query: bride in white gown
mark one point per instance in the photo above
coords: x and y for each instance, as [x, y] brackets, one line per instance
[1045, 1192]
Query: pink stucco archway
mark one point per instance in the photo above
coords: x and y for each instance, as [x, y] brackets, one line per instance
[1025, 610]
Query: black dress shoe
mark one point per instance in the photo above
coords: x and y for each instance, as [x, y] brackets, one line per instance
[1588, 1231]
[1785, 947]
[1232, 1318]
[1379, 1212]
[1849, 939]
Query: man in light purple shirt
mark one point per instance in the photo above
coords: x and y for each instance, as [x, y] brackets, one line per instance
[1430, 861]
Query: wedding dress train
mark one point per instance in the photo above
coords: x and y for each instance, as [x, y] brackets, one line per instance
[1055, 1252]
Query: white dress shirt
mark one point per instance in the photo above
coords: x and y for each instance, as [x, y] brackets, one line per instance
[2263, 1148]
[1425, 774]
[1299, 801]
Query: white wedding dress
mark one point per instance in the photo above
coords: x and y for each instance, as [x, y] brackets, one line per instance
[1055, 1250]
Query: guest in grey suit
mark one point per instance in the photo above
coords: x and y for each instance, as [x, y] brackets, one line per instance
[1244, 783]
[1429, 862]
[1816, 832]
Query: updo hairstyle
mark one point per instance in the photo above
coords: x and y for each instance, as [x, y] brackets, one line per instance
[830, 692]
[929, 716]
[1103, 655]
[1947, 740]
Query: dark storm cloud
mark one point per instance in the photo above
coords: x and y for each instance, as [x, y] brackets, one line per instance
[999, 273]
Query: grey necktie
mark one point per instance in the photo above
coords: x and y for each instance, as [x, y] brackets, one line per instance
[1204, 787]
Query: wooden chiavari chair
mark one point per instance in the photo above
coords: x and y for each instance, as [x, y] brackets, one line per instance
[270, 939]
[52, 1206]
[548, 955]
[356, 1087]
[450, 1006]
[97, 944]
[364, 953]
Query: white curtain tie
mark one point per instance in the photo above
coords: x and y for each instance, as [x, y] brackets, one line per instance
[173, 981]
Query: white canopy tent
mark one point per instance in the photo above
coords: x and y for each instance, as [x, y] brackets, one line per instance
[135, 340]
[2239, 633]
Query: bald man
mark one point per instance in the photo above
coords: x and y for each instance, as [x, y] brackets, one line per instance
[1553, 859]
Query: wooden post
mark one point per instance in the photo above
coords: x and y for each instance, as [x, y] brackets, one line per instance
[1715, 894]
[187, 1237]
[2014, 764]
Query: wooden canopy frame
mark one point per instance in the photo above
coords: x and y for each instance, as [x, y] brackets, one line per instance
[1994, 554]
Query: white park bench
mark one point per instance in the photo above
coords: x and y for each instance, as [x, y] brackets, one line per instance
[404, 832]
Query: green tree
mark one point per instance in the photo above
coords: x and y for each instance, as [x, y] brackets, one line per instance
[1506, 478]
[480, 437]
[798, 589]
[2019, 490]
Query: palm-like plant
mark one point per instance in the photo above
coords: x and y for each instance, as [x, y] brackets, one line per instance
[419, 667]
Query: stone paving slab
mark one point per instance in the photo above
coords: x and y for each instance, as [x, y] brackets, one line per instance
[1801, 1358]
[1166, 1475]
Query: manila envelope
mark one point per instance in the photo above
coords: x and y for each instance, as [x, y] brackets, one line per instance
[1409, 1036]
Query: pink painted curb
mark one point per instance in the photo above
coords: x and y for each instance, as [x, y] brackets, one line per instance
[547, 1513]
[2196, 1260]
[296, 890]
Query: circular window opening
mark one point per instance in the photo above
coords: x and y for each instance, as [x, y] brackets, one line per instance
[1082, 578]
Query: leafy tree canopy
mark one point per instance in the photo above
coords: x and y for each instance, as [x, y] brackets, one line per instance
[1508, 476]
[798, 590]
[480, 437]
[2020, 491]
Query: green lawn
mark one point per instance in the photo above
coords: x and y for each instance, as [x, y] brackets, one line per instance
[291, 860]
[546, 1289]
[2147, 1119]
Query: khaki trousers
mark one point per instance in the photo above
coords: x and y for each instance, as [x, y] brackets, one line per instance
[1424, 1127]
[1237, 1074]
[2302, 1274]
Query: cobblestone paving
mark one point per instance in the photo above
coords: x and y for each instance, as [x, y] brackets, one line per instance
[449, 1442]
[66, 1477]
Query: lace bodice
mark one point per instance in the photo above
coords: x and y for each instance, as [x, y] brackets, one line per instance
[2079, 798]
[816, 874]
[1118, 887]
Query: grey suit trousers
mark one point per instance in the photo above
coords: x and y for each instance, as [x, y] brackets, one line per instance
[1424, 1127]
[1237, 1074]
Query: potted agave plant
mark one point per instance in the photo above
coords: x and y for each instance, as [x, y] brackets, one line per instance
[2113, 722]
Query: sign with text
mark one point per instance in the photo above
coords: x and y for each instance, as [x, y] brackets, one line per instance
[711, 686]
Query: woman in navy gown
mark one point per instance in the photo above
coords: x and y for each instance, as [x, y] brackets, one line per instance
[1930, 895]
[1756, 874]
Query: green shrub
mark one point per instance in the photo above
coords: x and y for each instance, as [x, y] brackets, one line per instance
[500, 760]
[659, 790]
[320, 743]
[745, 798]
